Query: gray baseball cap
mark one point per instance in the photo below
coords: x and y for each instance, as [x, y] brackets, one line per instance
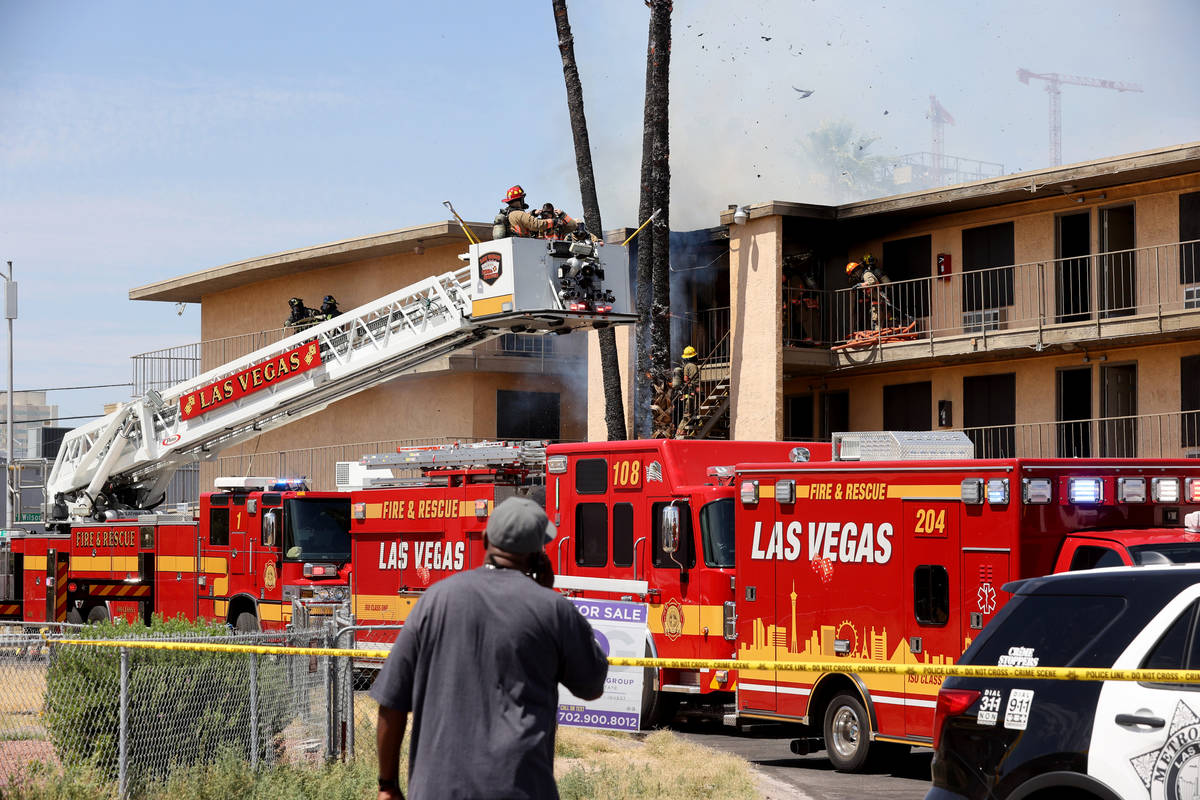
[519, 525]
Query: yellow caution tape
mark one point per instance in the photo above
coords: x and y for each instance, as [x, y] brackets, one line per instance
[862, 667]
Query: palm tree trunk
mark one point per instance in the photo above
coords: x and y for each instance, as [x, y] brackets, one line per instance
[614, 407]
[657, 104]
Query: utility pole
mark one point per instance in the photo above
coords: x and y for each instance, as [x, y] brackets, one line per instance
[10, 313]
[1054, 83]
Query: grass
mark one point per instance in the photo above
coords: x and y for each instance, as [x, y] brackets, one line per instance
[589, 765]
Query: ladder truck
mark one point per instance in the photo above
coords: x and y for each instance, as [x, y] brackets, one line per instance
[257, 543]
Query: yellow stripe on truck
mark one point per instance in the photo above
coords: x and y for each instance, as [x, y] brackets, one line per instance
[926, 491]
[491, 305]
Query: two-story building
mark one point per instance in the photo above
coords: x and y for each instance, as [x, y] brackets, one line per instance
[1048, 313]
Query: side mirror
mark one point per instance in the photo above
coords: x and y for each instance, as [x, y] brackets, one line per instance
[270, 527]
[670, 529]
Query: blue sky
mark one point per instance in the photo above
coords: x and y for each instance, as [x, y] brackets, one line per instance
[140, 141]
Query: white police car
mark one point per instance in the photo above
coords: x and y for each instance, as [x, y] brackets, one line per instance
[1010, 739]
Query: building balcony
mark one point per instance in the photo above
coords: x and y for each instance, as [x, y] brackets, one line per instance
[1169, 435]
[1065, 303]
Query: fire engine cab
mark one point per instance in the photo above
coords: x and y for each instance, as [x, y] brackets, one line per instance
[896, 552]
[257, 545]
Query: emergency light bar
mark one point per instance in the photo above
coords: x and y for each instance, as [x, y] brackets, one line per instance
[1165, 490]
[785, 492]
[1131, 490]
[997, 491]
[1036, 491]
[1084, 491]
[972, 491]
[749, 492]
[1193, 491]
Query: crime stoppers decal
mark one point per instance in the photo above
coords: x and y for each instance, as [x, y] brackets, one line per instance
[1172, 772]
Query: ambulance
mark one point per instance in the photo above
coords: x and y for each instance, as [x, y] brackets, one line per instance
[896, 551]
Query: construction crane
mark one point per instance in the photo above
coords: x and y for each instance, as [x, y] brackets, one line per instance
[1054, 83]
[940, 118]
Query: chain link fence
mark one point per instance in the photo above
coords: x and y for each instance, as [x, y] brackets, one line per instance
[138, 705]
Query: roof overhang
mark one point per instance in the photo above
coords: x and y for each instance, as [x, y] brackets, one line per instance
[194, 286]
[1086, 176]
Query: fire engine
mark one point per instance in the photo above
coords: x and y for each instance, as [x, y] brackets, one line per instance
[897, 551]
[608, 500]
[258, 544]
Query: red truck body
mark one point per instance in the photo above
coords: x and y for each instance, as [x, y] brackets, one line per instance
[248, 555]
[903, 562]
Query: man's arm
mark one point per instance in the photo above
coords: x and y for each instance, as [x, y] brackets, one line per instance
[389, 733]
[584, 666]
[528, 221]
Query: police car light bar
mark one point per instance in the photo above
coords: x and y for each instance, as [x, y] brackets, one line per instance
[1036, 491]
[1131, 490]
[1165, 490]
[1085, 491]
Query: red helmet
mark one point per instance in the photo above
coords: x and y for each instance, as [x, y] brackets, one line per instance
[515, 193]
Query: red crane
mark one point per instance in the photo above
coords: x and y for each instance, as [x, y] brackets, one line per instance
[1054, 83]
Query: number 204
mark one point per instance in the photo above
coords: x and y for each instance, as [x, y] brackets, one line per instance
[930, 521]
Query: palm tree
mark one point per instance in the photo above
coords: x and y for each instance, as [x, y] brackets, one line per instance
[614, 407]
[853, 171]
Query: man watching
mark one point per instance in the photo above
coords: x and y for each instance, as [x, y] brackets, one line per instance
[478, 664]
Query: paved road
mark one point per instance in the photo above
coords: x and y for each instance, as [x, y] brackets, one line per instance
[811, 777]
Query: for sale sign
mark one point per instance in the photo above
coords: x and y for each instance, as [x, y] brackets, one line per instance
[620, 630]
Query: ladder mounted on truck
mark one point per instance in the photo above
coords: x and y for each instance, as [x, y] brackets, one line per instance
[126, 459]
[373, 471]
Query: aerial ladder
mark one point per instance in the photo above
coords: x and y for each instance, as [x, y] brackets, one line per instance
[125, 460]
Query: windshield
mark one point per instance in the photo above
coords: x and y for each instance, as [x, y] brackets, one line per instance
[1174, 553]
[716, 532]
[317, 529]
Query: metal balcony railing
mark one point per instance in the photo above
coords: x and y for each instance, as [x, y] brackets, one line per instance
[1168, 435]
[1103, 290]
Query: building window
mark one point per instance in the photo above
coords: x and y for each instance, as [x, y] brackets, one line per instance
[591, 534]
[833, 414]
[1189, 400]
[527, 415]
[908, 407]
[1189, 233]
[984, 287]
[909, 264]
[798, 418]
[622, 535]
[990, 414]
[591, 476]
[1074, 403]
[218, 526]
[931, 594]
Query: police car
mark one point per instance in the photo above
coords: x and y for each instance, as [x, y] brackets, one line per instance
[1009, 738]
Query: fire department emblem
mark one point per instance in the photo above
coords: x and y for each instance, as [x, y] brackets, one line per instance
[672, 620]
[490, 267]
[986, 598]
[270, 577]
[1173, 771]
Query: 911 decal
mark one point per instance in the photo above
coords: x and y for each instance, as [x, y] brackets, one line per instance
[1016, 714]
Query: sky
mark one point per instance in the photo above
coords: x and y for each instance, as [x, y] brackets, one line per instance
[141, 141]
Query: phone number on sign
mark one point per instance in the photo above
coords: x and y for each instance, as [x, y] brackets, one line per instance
[599, 719]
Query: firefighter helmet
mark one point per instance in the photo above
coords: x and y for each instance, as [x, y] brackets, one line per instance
[296, 302]
[851, 267]
[689, 352]
[515, 193]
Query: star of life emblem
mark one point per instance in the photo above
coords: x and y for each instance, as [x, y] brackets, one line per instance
[986, 598]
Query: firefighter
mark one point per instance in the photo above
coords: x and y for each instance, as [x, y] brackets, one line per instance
[515, 220]
[685, 382]
[867, 276]
[329, 308]
[301, 316]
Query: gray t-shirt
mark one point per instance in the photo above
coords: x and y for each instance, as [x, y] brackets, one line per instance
[478, 664]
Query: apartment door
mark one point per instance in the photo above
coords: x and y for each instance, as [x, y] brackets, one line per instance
[1118, 407]
[990, 414]
[1072, 274]
[908, 407]
[1118, 265]
[1074, 401]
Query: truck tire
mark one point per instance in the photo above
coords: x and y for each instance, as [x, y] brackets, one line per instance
[97, 614]
[847, 733]
[74, 617]
[246, 622]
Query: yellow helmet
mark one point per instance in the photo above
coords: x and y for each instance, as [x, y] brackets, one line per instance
[689, 352]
